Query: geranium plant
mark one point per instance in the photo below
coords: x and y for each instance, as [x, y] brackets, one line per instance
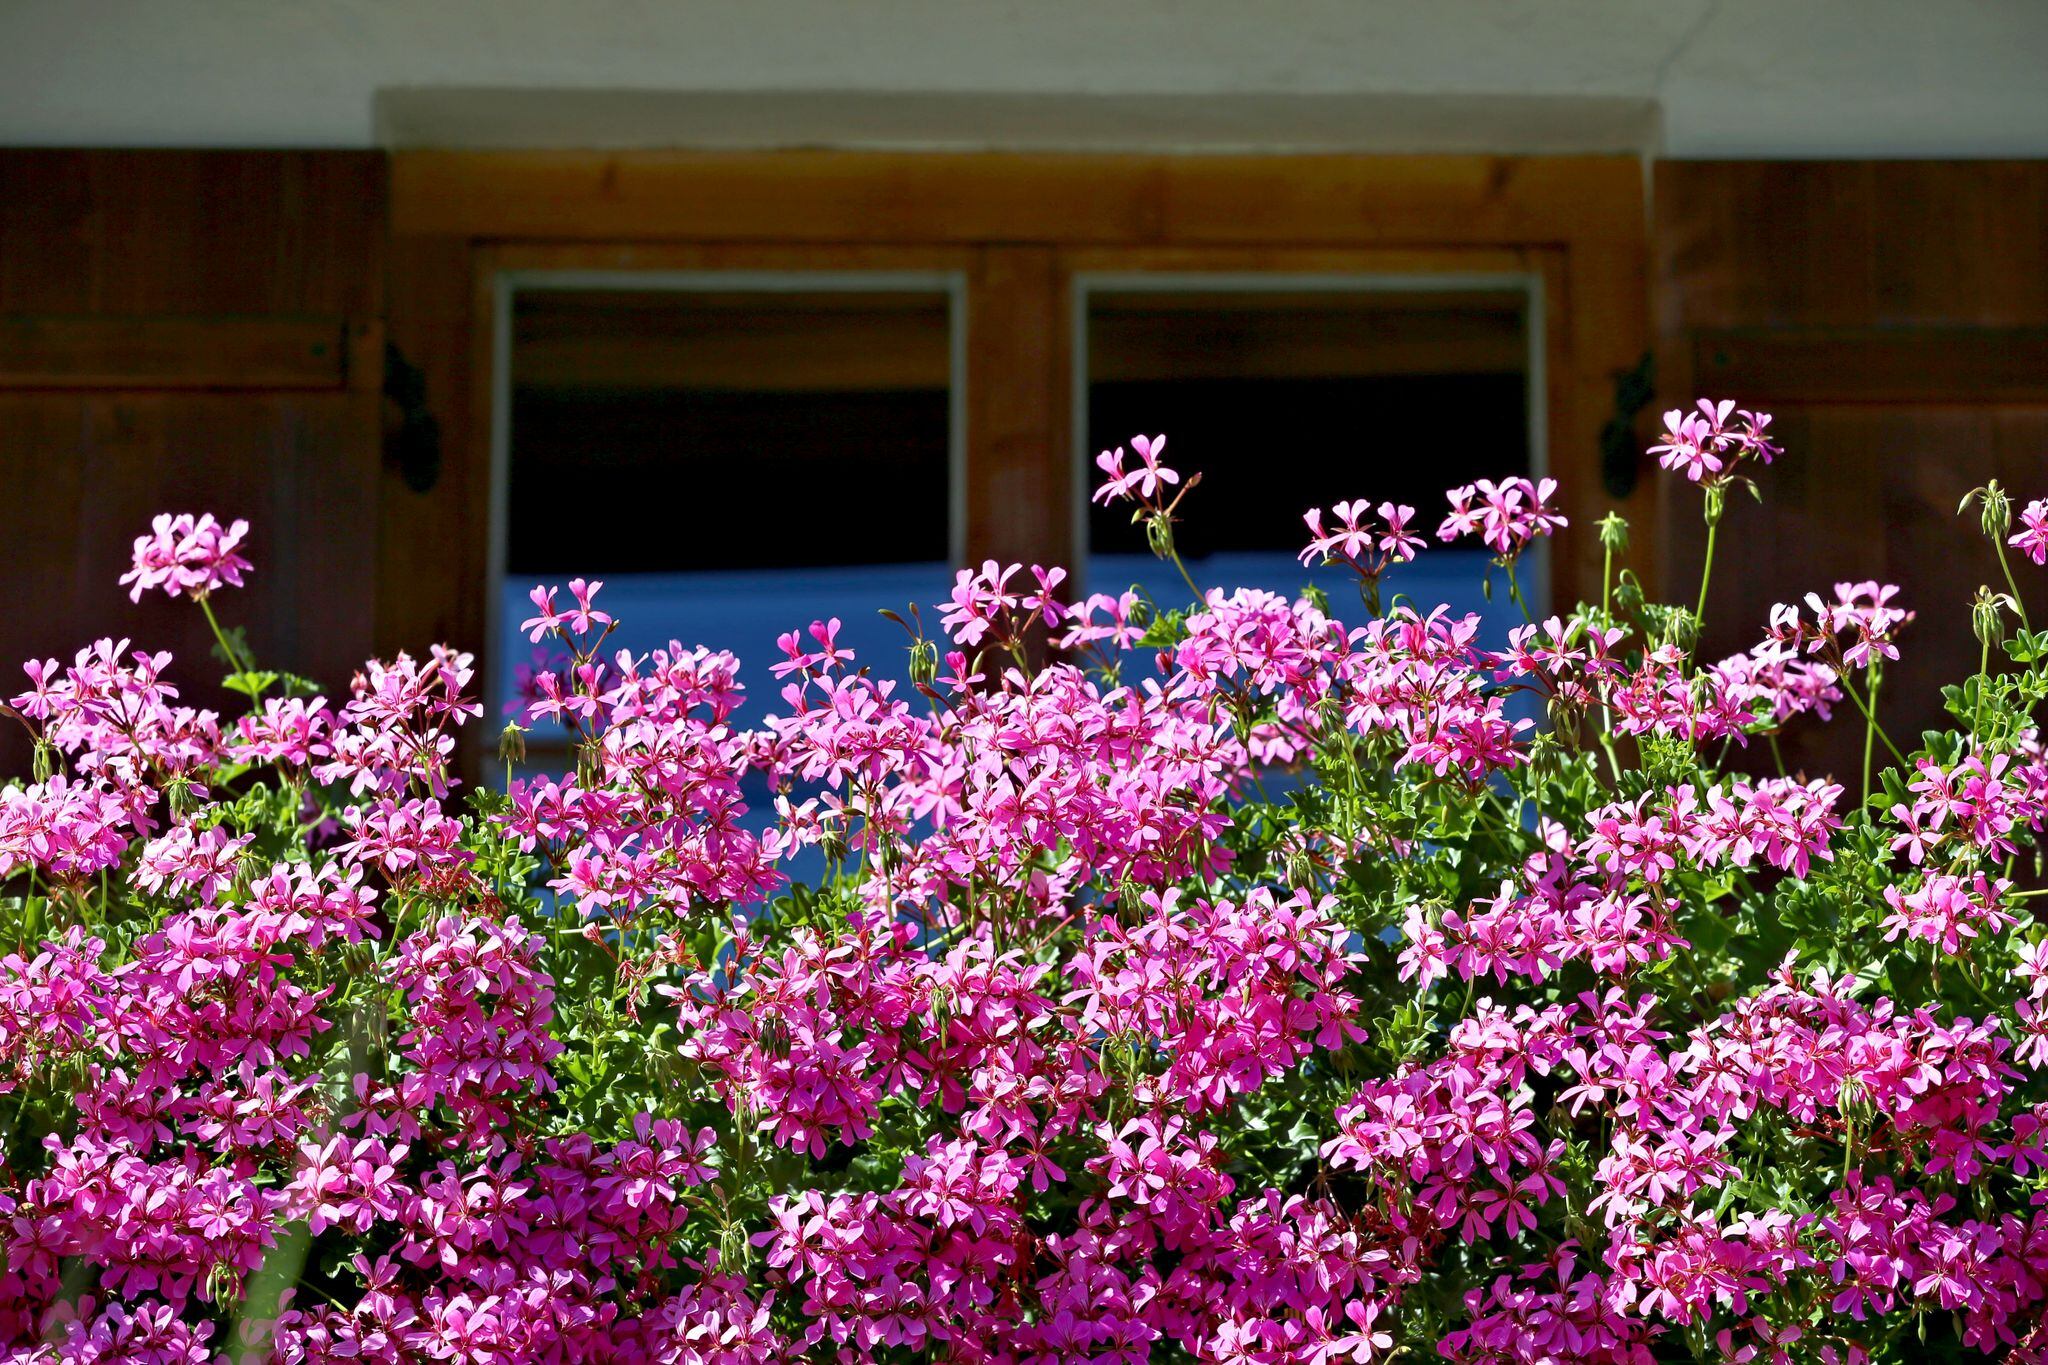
[1251, 980]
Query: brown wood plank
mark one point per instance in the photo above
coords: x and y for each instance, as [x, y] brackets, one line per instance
[1364, 257]
[1069, 199]
[1940, 365]
[192, 233]
[1960, 242]
[735, 256]
[1020, 484]
[431, 544]
[1744, 243]
[172, 353]
[1599, 295]
[776, 350]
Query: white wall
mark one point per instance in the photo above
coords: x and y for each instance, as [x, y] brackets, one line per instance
[1729, 77]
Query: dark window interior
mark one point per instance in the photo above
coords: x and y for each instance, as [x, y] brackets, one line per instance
[753, 430]
[1289, 400]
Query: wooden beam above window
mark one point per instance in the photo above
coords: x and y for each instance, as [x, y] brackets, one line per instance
[1067, 199]
[766, 342]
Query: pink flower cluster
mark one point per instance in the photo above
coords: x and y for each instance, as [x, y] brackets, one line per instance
[1505, 516]
[1236, 984]
[1145, 484]
[1604, 899]
[1705, 445]
[1859, 627]
[1357, 543]
[188, 556]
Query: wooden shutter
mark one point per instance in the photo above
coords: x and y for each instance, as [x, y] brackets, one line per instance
[1894, 315]
[190, 331]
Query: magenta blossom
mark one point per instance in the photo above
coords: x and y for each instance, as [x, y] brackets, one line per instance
[1705, 445]
[187, 556]
[1506, 516]
[1857, 628]
[1143, 483]
[1231, 979]
[2031, 539]
[1356, 542]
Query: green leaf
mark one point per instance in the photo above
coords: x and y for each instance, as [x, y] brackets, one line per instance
[2026, 647]
[1165, 630]
[251, 684]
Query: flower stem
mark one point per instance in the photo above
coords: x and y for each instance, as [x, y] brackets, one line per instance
[1983, 680]
[2018, 605]
[234, 660]
[1515, 591]
[1849, 689]
[1706, 576]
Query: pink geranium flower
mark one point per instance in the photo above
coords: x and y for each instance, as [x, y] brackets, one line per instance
[187, 556]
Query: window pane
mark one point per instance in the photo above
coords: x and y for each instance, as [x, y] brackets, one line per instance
[1292, 398]
[733, 464]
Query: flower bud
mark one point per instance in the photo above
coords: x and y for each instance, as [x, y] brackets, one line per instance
[1159, 534]
[1614, 533]
[1130, 900]
[1241, 723]
[924, 663]
[223, 1284]
[1717, 502]
[672, 1068]
[512, 743]
[1628, 595]
[1994, 509]
[1120, 1059]
[1681, 627]
[734, 1249]
[1984, 622]
[1301, 869]
[833, 845]
[1564, 721]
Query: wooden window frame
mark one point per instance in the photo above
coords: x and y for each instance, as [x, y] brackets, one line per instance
[1019, 228]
